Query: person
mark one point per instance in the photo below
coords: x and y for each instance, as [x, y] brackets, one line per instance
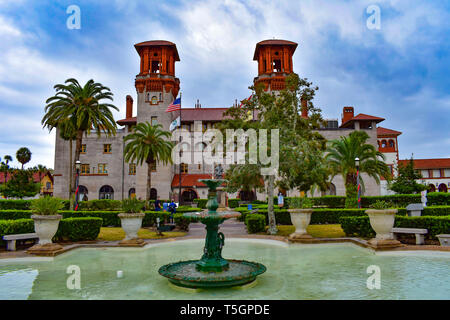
[172, 208]
[157, 204]
[280, 200]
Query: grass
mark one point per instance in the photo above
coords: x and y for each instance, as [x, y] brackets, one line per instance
[315, 230]
[115, 234]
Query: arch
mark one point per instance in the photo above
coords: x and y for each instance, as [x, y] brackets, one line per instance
[391, 143]
[83, 192]
[432, 188]
[153, 194]
[189, 195]
[200, 146]
[106, 192]
[247, 195]
[442, 187]
[383, 143]
[331, 191]
[132, 193]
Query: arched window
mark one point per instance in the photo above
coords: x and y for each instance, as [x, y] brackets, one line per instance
[106, 192]
[153, 194]
[432, 188]
[391, 143]
[189, 195]
[442, 187]
[331, 190]
[383, 143]
[83, 192]
[132, 193]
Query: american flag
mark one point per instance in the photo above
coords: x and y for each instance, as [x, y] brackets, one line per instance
[174, 106]
[248, 99]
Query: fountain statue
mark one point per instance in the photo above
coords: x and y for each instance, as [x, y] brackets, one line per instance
[212, 270]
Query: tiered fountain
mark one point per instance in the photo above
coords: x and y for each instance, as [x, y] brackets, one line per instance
[212, 270]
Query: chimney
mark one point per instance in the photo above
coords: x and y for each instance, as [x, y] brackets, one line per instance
[347, 114]
[304, 104]
[129, 110]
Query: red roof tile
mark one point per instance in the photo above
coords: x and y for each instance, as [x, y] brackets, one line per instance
[273, 42]
[362, 117]
[189, 180]
[36, 176]
[428, 163]
[204, 114]
[384, 132]
[127, 121]
[152, 43]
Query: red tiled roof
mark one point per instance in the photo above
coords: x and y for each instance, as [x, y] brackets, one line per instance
[36, 176]
[273, 42]
[384, 132]
[127, 121]
[362, 117]
[158, 43]
[441, 163]
[189, 180]
[204, 114]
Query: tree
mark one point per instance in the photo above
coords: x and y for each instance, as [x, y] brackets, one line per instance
[21, 185]
[84, 108]
[67, 132]
[148, 144]
[245, 178]
[405, 182]
[341, 158]
[4, 166]
[23, 155]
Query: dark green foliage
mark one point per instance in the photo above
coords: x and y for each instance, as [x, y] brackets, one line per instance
[46, 206]
[360, 226]
[181, 221]
[79, 229]
[233, 203]
[15, 227]
[405, 182]
[202, 203]
[132, 205]
[20, 185]
[100, 205]
[255, 223]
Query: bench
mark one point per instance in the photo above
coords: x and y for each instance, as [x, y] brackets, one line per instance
[420, 238]
[12, 238]
[444, 239]
[414, 209]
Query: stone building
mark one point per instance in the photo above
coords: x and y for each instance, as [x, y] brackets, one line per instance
[105, 174]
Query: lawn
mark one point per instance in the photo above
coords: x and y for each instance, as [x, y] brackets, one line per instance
[315, 230]
[115, 234]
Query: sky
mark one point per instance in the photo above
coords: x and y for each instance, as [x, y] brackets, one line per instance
[399, 71]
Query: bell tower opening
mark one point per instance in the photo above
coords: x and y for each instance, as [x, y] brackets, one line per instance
[274, 59]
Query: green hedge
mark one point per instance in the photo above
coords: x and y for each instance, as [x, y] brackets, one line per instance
[255, 223]
[360, 226]
[233, 203]
[201, 203]
[23, 204]
[73, 229]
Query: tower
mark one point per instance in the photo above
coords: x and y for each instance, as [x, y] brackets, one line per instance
[274, 59]
[156, 88]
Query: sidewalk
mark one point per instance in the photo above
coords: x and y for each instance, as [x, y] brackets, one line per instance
[230, 227]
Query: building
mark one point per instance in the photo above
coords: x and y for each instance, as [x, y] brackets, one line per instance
[45, 180]
[105, 174]
[435, 173]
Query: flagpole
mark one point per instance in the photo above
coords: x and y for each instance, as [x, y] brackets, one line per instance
[179, 175]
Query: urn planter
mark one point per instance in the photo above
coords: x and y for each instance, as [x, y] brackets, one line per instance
[300, 219]
[382, 222]
[131, 223]
[46, 227]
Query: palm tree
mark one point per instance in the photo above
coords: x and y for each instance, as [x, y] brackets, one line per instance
[23, 155]
[5, 166]
[148, 144]
[83, 107]
[67, 132]
[341, 158]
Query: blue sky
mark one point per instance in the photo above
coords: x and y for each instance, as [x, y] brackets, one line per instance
[399, 72]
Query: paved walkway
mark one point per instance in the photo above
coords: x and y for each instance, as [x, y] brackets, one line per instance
[230, 227]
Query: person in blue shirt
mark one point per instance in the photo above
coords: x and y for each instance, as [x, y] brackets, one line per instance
[172, 208]
[157, 204]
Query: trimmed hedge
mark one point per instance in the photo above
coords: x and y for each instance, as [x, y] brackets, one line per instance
[201, 203]
[73, 229]
[255, 223]
[233, 203]
[360, 226]
[23, 204]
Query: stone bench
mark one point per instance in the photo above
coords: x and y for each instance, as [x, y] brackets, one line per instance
[12, 238]
[444, 239]
[420, 238]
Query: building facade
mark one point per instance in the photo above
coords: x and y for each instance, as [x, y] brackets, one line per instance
[105, 174]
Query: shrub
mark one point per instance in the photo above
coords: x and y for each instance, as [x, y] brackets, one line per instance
[132, 205]
[24, 204]
[79, 229]
[436, 211]
[100, 205]
[233, 203]
[201, 203]
[255, 223]
[360, 226]
[181, 221]
[380, 205]
[46, 206]
[15, 227]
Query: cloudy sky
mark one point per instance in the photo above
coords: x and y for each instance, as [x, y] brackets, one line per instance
[399, 72]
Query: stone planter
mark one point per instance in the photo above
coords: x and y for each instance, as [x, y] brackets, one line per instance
[300, 219]
[382, 222]
[46, 228]
[131, 223]
[444, 239]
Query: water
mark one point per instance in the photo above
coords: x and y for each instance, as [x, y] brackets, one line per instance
[326, 271]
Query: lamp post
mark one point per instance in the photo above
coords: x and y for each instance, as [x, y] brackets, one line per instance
[358, 187]
[77, 181]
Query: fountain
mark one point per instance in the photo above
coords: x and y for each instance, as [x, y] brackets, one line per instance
[212, 270]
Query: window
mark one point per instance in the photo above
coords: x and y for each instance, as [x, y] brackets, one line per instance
[48, 186]
[132, 169]
[106, 148]
[102, 168]
[155, 66]
[154, 100]
[85, 169]
[277, 65]
[106, 192]
[83, 148]
[184, 168]
[447, 173]
[154, 121]
[160, 97]
[186, 126]
[132, 193]
[425, 174]
[436, 173]
[199, 166]
[391, 143]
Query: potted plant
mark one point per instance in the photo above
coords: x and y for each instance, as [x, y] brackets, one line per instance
[46, 221]
[131, 221]
[300, 210]
[382, 218]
